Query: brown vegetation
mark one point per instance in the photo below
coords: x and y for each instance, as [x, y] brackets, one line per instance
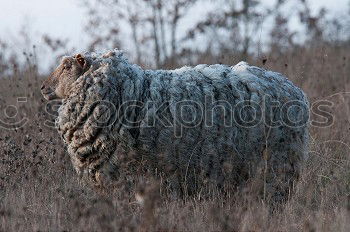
[39, 189]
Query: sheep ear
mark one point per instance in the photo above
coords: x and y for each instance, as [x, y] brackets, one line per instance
[81, 60]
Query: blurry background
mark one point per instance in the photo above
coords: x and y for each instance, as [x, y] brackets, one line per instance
[172, 32]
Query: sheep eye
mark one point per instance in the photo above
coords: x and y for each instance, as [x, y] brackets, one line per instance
[66, 66]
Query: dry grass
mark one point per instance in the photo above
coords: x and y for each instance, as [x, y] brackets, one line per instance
[40, 191]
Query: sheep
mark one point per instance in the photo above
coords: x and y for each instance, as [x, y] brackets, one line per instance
[209, 122]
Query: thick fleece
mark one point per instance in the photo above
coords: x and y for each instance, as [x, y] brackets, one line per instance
[210, 122]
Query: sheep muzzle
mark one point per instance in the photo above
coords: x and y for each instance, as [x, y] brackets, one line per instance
[48, 93]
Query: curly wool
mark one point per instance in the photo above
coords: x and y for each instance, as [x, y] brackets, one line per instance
[96, 119]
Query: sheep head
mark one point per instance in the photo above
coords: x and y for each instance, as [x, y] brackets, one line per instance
[58, 84]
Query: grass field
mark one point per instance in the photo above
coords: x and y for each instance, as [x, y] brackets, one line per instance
[40, 191]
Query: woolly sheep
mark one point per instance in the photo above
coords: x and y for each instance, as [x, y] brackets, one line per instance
[222, 123]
